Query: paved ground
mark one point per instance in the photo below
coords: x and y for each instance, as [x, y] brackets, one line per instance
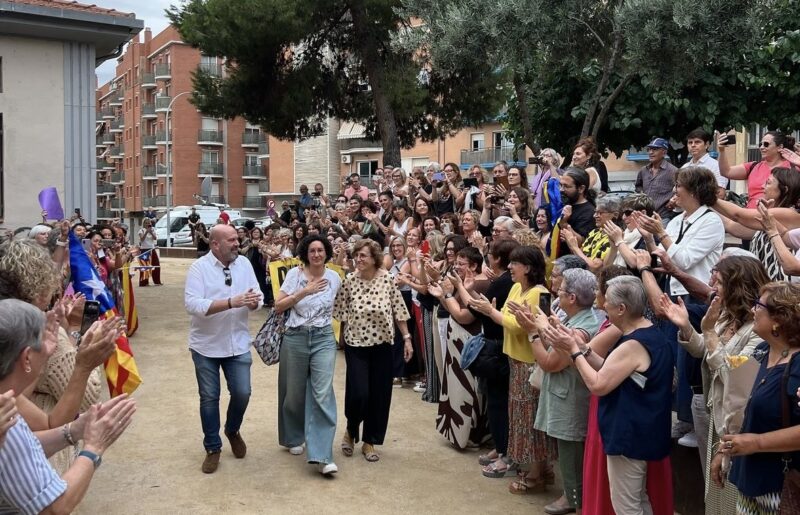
[155, 466]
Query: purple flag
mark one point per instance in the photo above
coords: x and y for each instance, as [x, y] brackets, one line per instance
[48, 199]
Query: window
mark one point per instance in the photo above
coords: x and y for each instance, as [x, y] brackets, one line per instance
[500, 140]
[210, 124]
[477, 141]
[366, 169]
[210, 156]
[251, 159]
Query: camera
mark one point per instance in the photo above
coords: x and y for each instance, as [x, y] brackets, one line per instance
[536, 160]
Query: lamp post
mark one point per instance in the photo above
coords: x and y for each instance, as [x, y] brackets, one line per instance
[169, 165]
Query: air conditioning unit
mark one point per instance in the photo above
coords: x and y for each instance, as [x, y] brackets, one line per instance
[347, 159]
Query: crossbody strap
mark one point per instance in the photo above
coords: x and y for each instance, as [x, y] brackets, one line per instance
[785, 410]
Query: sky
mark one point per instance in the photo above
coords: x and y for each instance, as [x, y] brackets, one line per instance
[151, 11]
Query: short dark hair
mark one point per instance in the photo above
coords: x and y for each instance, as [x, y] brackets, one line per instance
[501, 250]
[533, 258]
[472, 255]
[386, 193]
[373, 208]
[699, 133]
[305, 243]
[354, 175]
[700, 182]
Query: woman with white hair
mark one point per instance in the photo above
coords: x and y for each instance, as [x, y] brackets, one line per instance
[549, 169]
[634, 383]
[40, 233]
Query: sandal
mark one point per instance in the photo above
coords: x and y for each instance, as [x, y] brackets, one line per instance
[493, 469]
[526, 485]
[369, 452]
[347, 445]
[488, 459]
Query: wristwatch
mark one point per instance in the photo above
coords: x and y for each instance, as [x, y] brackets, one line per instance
[575, 355]
[406, 336]
[96, 458]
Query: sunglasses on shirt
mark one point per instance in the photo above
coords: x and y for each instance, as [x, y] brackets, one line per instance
[228, 278]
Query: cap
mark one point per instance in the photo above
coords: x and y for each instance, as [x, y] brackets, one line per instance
[659, 143]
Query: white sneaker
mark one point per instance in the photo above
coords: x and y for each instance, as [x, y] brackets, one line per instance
[297, 450]
[327, 469]
[420, 388]
[688, 440]
[680, 428]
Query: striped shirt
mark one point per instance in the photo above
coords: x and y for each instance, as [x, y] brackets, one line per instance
[28, 484]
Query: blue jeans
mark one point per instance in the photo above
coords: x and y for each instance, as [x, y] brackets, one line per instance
[237, 375]
[306, 402]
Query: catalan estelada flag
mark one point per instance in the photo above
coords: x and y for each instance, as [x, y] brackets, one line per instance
[121, 371]
[128, 301]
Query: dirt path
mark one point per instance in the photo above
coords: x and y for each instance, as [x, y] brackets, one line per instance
[155, 467]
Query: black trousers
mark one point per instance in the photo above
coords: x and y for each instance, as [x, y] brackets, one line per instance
[497, 411]
[368, 391]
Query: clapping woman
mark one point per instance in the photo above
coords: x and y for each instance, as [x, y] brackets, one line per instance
[369, 305]
[306, 402]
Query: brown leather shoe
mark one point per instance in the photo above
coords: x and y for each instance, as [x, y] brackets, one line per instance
[211, 462]
[238, 446]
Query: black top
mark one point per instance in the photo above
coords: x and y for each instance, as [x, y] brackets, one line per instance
[581, 221]
[498, 289]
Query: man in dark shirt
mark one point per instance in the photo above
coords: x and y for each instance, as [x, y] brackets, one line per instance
[193, 219]
[578, 211]
[657, 178]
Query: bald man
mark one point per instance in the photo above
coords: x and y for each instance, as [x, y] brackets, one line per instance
[221, 290]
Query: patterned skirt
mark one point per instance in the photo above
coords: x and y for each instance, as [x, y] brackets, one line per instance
[767, 504]
[461, 417]
[431, 393]
[525, 444]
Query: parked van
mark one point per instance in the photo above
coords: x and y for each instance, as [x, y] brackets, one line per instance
[179, 223]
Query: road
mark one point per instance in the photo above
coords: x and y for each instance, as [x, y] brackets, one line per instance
[155, 466]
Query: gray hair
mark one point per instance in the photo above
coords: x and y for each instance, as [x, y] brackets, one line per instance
[567, 262]
[582, 284]
[610, 204]
[21, 325]
[736, 251]
[433, 164]
[627, 290]
[506, 222]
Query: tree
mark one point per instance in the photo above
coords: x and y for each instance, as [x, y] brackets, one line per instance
[618, 70]
[294, 63]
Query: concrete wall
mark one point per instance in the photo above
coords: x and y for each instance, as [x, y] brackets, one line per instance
[33, 108]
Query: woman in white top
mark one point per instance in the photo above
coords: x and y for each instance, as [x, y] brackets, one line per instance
[308, 356]
[581, 157]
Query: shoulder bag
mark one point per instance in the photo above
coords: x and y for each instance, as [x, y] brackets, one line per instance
[790, 494]
[270, 337]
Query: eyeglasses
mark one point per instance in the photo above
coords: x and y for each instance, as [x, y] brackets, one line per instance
[765, 144]
[758, 304]
[228, 278]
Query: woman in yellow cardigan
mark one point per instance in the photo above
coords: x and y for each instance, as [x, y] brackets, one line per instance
[527, 447]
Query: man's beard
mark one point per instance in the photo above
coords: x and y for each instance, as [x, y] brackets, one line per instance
[566, 199]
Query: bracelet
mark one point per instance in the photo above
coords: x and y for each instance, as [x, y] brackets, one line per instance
[620, 242]
[61, 243]
[65, 431]
[448, 295]
[587, 352]
[575, 355]
[229, 303]
[645, 269]
[772, 236]
[665, 236]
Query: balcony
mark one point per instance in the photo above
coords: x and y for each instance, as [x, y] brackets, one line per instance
[216, 199]
[117, 125]
[117, 97]
[162, 138]
[157, 201]
[263, 188]
[149, 142]
[206, 137]
[253, 139]
[149, 111]
[254, 172]
[490, 155]
[161, 170]
[253, 203]
[117, 178]
[210, 170]
[263, 147]
[149, 173]
[118, 204]
[213, 69]
[349, 146]
[99, 141]
[162, 104]
[102, 164]
[162, 71]
[147, 80]
[104, 214]
[108, 138]
[107, 113]
[117, 152]
[105, 189]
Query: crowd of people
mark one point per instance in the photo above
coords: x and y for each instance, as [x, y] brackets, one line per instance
[552, 322]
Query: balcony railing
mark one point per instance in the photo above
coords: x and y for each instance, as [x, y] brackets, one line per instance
[99, 141]
[147, 80]
[117, 97]
[117, 125]
[157, 201]
[263, 147]
[101, 163]
[107, 113]
[213, 69]
[253, 139]
[148, 172]
[105, 188]
[162, 104]
[103, 213]
[108, 138]
[253, 202]
[162, 71]
[149, 110]
[489, 155]
[254, 172]
[161, 170]
[118, 203]
[263, 187]
[117, 151]
[162, 139]
[209, 137]
[361, 143]
[210, 169]
[117, 178]
[149, 141]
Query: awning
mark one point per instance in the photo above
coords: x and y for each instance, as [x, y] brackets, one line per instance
[352, 130]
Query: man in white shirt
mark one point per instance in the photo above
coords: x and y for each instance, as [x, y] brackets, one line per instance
[220, 289]
[698, 142]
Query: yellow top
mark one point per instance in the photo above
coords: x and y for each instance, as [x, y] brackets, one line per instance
[515, 338]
